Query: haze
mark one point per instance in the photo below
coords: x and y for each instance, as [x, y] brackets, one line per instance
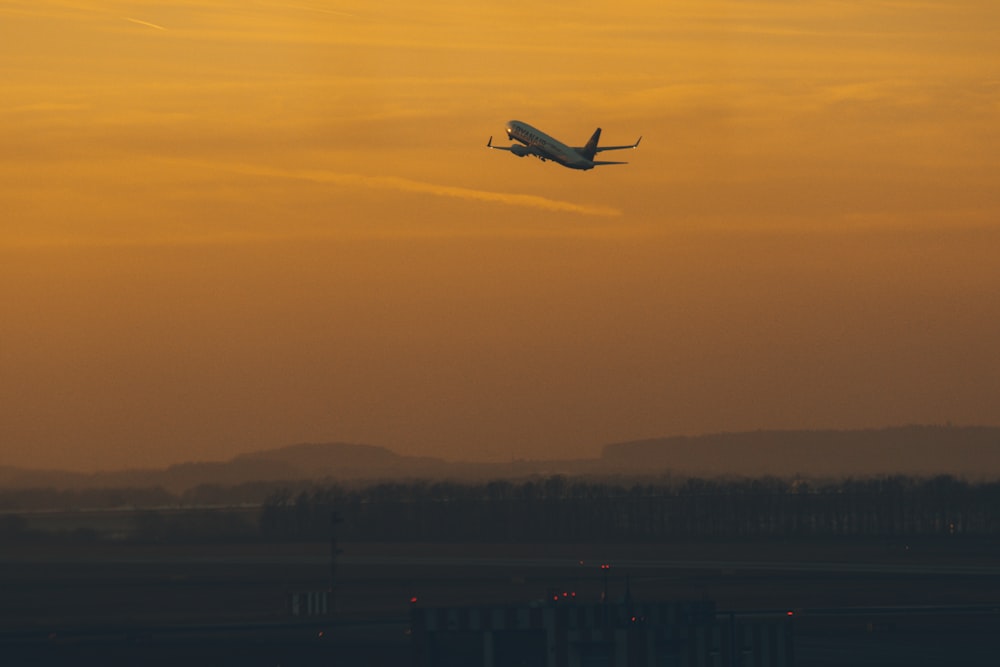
[229, 226]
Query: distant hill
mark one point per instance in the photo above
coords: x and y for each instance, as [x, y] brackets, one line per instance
[970, 452]
[342, 460]
[309, 461]
[23, 478]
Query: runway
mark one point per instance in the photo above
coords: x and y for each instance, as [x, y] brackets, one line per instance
[192, 604]
[316, 557]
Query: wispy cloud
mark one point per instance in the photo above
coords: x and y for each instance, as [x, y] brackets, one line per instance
[144, 23]
[408, 185]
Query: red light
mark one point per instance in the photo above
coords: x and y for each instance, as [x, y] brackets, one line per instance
[790, 613]
[413, 600]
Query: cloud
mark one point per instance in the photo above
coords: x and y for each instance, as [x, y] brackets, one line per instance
[408, 185]
[145, 23]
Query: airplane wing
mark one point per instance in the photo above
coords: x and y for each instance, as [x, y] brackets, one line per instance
[599, 163]
[489, 144]
[617, 148]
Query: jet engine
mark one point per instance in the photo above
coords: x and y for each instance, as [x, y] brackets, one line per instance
[519, 150]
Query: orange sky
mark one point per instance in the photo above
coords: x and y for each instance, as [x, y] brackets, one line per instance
[232, 225]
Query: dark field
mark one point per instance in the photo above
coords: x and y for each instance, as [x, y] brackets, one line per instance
[935, 603]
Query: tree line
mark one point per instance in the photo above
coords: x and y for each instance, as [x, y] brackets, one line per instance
[558, 509]
[563, 509]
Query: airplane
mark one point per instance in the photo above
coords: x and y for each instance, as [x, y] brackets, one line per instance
[535, 142]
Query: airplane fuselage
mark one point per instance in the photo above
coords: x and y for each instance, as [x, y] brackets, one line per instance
[532, 141]
[546, 147]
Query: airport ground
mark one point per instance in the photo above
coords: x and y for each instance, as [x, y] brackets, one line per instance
[856, 603]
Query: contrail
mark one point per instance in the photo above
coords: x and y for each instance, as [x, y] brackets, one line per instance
[145, 23]
[408, 185]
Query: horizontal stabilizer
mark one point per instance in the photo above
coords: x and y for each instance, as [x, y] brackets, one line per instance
[598, 163]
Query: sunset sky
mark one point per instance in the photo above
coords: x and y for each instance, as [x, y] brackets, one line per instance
[229, 225]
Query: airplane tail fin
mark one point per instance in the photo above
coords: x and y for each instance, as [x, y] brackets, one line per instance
[590, 150]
